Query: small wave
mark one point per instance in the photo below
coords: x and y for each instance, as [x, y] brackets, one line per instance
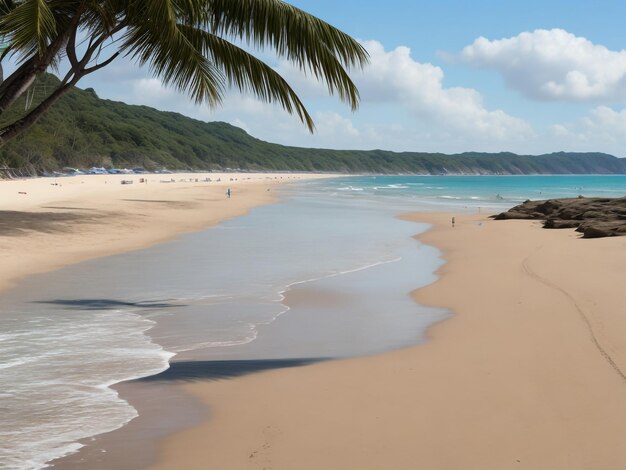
[392, 186]
[350, 188]
[71, 364]
[600, 190]
[17, 362]
[288, 287]
[221, 344]
[14, 335]
[372, 265]
[450, 197]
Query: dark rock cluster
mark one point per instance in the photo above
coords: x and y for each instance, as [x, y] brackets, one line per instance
[594, 217]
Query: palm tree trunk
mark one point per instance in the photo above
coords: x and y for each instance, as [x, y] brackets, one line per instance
[16, 84]
[13, 130]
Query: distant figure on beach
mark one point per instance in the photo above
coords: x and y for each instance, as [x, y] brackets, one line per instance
[453, 221]
[228, 193]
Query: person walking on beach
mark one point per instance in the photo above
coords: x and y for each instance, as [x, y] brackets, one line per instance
[452, 221]
[228, 193]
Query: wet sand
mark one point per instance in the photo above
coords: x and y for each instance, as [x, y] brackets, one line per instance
[528, 373]
[47, 223]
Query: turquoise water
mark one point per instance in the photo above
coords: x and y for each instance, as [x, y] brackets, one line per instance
[489, 192]
[67, 336]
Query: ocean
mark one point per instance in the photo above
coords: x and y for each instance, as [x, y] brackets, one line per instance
[224, 293]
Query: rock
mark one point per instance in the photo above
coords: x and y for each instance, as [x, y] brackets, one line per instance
[595, 232]
[593, 217]
[513, 215]
[593, 214]
[558, 223]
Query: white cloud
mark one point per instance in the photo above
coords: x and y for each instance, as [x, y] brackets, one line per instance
[395, 78]
[405, 106]
[147, 90]
[420, 121]
[331, 124]
[603, 127]
[553, 65]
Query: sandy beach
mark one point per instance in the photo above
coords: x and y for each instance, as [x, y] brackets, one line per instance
[50, 223]
[529, 373]
[53, 222]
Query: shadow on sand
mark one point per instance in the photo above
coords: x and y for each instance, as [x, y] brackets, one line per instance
[14, 223]
[190, 371]
[106, 304]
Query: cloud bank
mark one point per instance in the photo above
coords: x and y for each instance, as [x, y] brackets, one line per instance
[394, 76]
[432, 114]
[553, 65]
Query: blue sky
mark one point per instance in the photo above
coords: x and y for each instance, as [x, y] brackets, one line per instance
[546, 76]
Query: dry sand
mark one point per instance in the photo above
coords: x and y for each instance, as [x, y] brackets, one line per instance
[529, 373]
[46, 223]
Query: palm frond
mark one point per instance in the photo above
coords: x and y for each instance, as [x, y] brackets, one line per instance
[312, 44]
[248, 73]
[188, 44]
[29, 26]
[157, 41]
[100, 17]
[6, 6]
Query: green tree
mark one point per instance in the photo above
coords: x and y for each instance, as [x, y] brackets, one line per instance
[191, 45]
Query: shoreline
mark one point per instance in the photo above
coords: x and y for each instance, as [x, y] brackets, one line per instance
[515, 379]
[55, 222]
[404, 408]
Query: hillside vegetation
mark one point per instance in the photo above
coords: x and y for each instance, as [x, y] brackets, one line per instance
[83, 130]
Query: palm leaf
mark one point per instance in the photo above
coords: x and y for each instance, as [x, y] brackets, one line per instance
[312, 44]
[155, 39]
[165, 34]
[248, 73]
[6, 6]
[188, 44]
[101, 17]
[29, 26]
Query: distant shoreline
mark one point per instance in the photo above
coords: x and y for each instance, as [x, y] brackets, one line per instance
[47, 223]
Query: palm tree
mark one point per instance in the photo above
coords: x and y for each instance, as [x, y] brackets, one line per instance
[192, 45]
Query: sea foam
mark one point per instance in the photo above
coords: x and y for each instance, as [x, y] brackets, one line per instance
[56, 378]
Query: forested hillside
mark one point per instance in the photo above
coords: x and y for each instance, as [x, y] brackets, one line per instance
[83, 130]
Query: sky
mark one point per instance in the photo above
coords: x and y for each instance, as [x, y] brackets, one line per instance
[446, 76]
